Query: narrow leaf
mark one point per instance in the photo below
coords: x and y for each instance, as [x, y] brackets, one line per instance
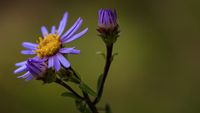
[101, 53]
[99, 81]
[82, 106]
[74, 79]
[108, 108]
[87, 89]
[115, 54]
[67, 94]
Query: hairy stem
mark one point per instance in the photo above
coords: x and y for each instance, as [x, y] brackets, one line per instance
[86, 96]
[90, 104]
[58, 81]
[109, 49]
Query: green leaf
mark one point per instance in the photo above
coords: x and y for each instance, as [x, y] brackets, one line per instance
[75, 73]
[87, 110]
[101, 53]
[68, 94]
[99, 81]
[74, 80]
[108, 108]
[86, 89]
[82, 106]
[112, 58]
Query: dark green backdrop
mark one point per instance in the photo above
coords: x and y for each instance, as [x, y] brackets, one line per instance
[156, 71]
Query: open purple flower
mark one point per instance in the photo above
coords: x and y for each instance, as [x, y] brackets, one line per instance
[33, 68]
[51, 45]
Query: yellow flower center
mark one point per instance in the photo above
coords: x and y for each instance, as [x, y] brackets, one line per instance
[48, 46]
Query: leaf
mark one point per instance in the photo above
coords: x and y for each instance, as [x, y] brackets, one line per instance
[74, 80]
[75, 73]
[108, 108]
[87, 110]
[101, 53]
[82, 106]
[86, 89]
[78, 75]
[112, 58]
[99, 81]
[68, 94]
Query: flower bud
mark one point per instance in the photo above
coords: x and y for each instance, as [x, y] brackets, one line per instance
[107, 25]
[36, 67]
[33, 68]
[107, 19]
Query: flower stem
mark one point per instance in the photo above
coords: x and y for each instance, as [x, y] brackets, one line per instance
[109, 48]
[58, 81]
[89, 102]
[86, 96]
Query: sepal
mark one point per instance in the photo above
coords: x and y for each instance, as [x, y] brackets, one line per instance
[67, 75]
[49, 76]
[109, 36]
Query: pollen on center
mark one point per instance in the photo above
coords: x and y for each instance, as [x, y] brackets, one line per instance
[48, 45]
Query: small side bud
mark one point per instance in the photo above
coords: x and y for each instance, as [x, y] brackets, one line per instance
[36, 67]
[33, 68]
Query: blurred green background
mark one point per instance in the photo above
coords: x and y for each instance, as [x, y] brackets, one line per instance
[156, 71]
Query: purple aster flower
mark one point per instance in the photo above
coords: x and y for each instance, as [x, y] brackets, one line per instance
[107, 19]
[33, 68]
[51, 45]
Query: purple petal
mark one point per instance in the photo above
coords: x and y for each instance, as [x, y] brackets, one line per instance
[100, 16]
[27, 52]
[29, 78]
[33, 69]
[56, 63]
[29, 45]
[53, 29]
[99, 12]
[20, 69]
[50, 62]
[69, 50]
[24, 75]
[44, 31]
[63, 60]
[20, 63]
[66, 50]
[76, 36]
[106, 17]
[62, 24]
[75, 51]
[72, 29]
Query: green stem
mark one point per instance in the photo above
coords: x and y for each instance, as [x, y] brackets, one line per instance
[109, 49]
[89, 102]
[58, 81]
[86, 96]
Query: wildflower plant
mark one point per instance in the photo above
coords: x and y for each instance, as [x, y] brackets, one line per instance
[50, 64]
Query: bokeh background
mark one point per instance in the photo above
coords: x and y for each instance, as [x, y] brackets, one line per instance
[156, 71]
